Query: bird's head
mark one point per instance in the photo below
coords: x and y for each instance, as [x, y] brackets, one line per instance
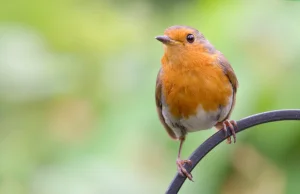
[184, 40]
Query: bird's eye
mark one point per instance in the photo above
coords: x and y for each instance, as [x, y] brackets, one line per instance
[190, 38]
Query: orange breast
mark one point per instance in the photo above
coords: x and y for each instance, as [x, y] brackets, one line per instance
[194, 82]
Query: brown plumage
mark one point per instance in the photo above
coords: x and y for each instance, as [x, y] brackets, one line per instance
[195, 87]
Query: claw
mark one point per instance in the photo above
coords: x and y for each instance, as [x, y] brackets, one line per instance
[231, 124]
[225, 131]
[181, 170]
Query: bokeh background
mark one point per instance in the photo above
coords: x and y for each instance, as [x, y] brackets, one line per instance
[77, 111]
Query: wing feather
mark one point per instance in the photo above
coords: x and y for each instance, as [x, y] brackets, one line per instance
[158, 96]
[232, 78]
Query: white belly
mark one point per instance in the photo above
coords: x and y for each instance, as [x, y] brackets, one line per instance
[201, 121]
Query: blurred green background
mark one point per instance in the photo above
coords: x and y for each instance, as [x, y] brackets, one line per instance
[77, 111]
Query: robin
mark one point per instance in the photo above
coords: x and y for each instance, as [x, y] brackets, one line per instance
[195, 87]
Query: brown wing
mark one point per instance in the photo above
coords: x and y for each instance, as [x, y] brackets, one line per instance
[231, 76]
[159, 106]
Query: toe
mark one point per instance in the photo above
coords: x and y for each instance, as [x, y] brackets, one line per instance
[181, 170]
[234, 123]
[232, 126]
[234, 136]
[187, 174]
[189, 162]
[225, 129]
[229, 140]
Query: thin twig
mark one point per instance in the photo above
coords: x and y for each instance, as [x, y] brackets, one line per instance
[213, 141]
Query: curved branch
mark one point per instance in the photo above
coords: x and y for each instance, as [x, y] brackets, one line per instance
[218, 137]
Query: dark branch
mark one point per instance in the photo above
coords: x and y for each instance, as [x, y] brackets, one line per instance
[218, 137]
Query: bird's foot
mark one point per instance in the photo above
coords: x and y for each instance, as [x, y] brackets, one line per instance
[231, 124]
[181, 170]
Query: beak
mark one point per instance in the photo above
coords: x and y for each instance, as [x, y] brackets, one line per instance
[165, 39]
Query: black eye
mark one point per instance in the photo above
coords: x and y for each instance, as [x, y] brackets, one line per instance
[190, 38]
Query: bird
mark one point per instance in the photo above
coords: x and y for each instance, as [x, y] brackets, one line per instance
[195, 87]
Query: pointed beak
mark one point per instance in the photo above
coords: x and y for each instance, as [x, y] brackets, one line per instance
[165, 40]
